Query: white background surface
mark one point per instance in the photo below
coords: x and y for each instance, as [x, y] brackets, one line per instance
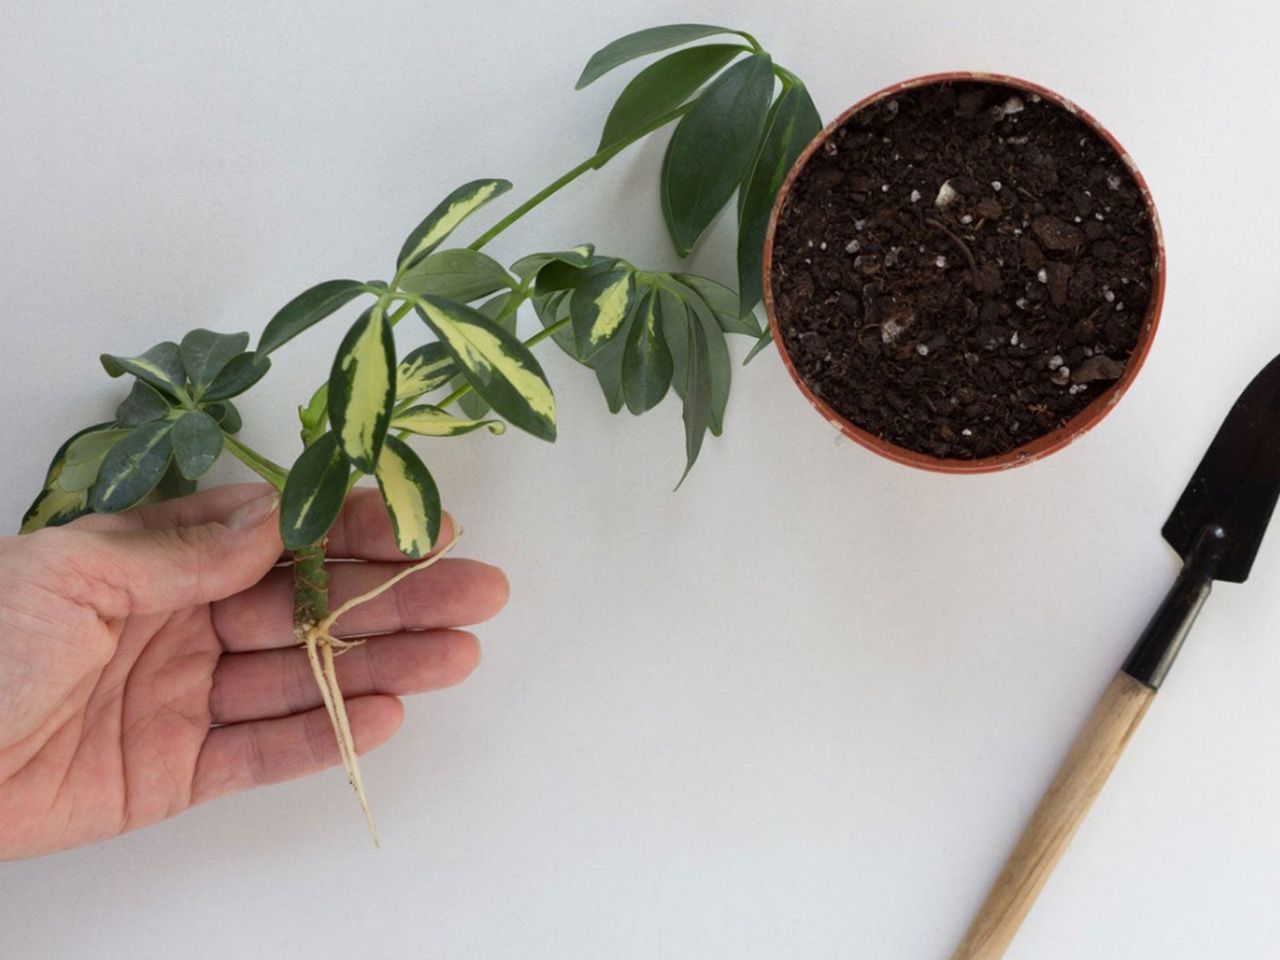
[800, 708]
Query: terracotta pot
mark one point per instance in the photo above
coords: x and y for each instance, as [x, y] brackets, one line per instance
[1050, 442]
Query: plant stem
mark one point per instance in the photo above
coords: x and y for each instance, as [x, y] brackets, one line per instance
[273, 473]
[598, 159]
[310, 586]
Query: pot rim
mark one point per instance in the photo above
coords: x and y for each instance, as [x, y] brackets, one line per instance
[1050, 442]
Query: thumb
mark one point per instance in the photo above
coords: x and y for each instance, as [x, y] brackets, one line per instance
[157, 570]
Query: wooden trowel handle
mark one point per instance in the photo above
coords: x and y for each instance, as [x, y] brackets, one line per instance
[1054, 823]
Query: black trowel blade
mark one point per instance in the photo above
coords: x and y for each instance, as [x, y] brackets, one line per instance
[1238, 481]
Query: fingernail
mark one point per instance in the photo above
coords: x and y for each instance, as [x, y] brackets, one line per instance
[249, 515]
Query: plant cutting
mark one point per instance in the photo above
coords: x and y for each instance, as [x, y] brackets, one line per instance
[965, 272]
[739, 121]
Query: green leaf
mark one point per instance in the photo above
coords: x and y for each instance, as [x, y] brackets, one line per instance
[133, 467]
[450, 212]
[226, 415]
[641, 43]
[313, 495]
[457, 273]
[598, 307]
[411, 497]
[173, 484]
[161, 366]
[646, 362]
[237, 376]
[143, 404]
[423, 370]
[712, 146]
[307, 309]
[197, 443]
[661, 87]
[362, 389]
[472, 404]
[722, 302]
[526, 267]
[793, 122]
[697, 394]
[83, 459]
[551, 308]
[564, 275]
[429, 421]
[498, 366]
[205, 353]
[765, 339]
[718, 366]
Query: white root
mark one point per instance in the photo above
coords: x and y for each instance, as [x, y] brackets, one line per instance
[322, 647]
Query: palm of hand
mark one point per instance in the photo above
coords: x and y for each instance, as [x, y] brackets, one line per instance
[114, 714]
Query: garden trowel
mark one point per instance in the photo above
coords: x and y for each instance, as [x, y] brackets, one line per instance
[1216, 527]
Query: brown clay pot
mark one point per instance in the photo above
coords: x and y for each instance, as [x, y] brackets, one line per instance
[1050, 442]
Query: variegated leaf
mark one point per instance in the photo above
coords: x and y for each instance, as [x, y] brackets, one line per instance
[411, 497]
[498, 366]
[54, 506]
[161, 366]
[205, 353]
[143, 404]
[598, 308]
[241, 373]
[646, 364]
[578, 257]
[471, 403]
[197, 443]
[457, 273]
[314, 492]
[133, 467]
[362, 389]
[429, 421]
[427, 368]
[83, 459]
[307, 309]
[607, 363]
[450, 212]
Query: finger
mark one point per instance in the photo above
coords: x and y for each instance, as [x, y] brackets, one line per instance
[142, 571]
[452, 593]
[277, 683]
[246, 755]
[205, 506]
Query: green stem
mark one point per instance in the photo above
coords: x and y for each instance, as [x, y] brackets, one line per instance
[273, 473]
[598, 159]
[310, 586]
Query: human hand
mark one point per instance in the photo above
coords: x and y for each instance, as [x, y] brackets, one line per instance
[148, 661]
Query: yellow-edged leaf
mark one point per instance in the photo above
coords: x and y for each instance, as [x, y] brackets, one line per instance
[450, 212]
[411, 497]
[362, 389]
[423, 370]
[498, 366]
[431, 421]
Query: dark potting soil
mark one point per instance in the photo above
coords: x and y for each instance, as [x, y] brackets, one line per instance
[962, 268]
